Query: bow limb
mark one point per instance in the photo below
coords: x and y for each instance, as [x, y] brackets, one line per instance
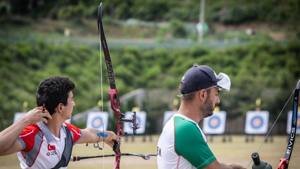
[284, 162]
[113, 92]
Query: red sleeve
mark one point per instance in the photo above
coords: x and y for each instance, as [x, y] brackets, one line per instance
[76, 132]
[27, 136]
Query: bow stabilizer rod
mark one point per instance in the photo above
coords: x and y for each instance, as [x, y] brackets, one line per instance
[143, 156]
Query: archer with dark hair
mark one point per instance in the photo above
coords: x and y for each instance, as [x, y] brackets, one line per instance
[42, 138]
[53, 91]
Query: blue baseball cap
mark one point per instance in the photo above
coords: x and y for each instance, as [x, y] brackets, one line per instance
[198, 77]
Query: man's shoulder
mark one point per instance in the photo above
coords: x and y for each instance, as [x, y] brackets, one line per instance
[184, 123]
[32, 129]
[75, 131]
[186, 128]
[30, 136]
[71, 127]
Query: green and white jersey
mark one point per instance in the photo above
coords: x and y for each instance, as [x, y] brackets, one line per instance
[182, 145]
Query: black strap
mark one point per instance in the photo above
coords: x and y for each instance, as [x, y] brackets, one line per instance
[66, 156]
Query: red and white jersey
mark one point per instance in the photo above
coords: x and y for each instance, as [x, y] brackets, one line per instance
[41, 149]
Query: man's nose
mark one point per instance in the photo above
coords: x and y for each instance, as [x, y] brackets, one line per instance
[218, 101]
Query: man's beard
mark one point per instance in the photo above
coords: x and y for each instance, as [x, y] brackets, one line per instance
[208, 108]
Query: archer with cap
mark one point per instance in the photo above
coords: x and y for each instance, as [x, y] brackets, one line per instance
[182, 144]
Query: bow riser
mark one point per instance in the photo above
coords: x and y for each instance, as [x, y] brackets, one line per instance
[284, 162]
[115, 104]
[113, 93]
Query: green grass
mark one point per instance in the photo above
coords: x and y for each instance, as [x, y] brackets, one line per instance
[237, 151]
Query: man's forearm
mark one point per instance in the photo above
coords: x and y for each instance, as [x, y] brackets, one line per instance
[9, 135]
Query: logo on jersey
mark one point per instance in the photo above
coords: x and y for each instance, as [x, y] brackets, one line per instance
[51, 150]
[51, 147]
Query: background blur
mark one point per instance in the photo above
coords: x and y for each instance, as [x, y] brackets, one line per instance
[152, 43]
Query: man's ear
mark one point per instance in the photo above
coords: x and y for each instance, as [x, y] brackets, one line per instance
[202, 95]
[59, 107]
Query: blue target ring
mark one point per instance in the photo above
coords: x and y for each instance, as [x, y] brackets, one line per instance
[257, 122]
[97, 122]
[214, 122]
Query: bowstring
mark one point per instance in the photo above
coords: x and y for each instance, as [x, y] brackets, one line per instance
[101, 90]
[273, 125]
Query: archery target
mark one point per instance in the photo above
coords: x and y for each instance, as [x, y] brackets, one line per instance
[289, 121]
[97, 120]
[215, 124]
[140, 121]
[167, 116]
[257, 122]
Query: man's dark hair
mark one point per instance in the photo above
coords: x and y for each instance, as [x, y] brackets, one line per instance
[52, 91]
[190, 96]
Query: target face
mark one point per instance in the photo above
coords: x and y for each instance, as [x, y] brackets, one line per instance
[215, 124]
[257, 122]
[97, 120]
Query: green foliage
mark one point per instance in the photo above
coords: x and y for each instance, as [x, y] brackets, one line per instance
[149, 9]
[237, 15]
[78, 11]
[266, 70]
[229, 12]
[177, 29]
